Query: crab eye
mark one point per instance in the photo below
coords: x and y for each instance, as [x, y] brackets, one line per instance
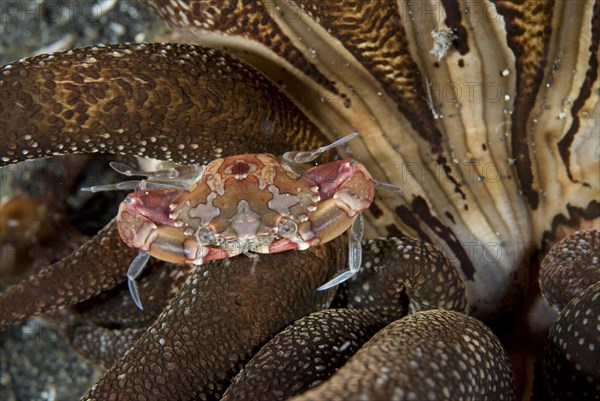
[287, 228]
[205, 236]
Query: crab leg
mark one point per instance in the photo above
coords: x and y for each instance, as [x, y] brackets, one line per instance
[135, 185]
[173, 178]
[305, 157]
[135, 270]
[355, 247]
[181, 176]
[386, 186]
[168, 243]
[354, 255]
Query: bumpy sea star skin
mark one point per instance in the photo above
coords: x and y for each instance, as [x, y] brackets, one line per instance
[103, 346]
[426, 355]
[570, 282]
[114, 307]
[422, 279]
[215, 323]
[303, 355]
[104, 327]
[399, 275]
[170, 102]
[571, 266]
[70, 280]
[572, 359]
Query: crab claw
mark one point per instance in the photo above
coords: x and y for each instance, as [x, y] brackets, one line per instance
[144, 223]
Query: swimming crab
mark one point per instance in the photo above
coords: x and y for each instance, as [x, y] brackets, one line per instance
[250, 203]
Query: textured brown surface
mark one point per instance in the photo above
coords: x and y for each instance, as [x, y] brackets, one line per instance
[71, 280]
[400, 276]
[173, 102]
[157, 285]
[216, 321]
[303, 355]
[249, 19]
[572, 353]
[571, 265]
[427, 355]
[101, 345]
[105, 326]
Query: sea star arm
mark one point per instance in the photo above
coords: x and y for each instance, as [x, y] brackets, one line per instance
[98, 265]
[216, 322]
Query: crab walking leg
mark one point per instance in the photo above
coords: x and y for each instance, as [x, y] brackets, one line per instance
[354, 255]
[386, 186]
[120, 186]
[190, 172]
[179, 177]
[305, 157]
[135, 270]
[135, 185]
[355, 248]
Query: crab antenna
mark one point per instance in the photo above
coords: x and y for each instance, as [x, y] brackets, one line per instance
[305, 157]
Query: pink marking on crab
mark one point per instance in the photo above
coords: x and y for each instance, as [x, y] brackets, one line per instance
[143, 222]
[346, 190]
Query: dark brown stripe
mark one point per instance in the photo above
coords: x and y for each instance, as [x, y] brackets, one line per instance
[421, 213]
[575, 216]
[410, 219]
[528, 34]
[453, 21]
[422, 209]
[378, 41]
[394, 231]
[375, 210]
[564, 145]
